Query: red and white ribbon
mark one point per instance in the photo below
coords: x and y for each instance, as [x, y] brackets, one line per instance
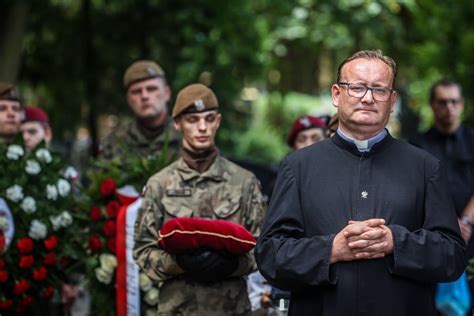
[127, 278]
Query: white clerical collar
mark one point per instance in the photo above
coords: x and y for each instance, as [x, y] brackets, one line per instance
[364, 145]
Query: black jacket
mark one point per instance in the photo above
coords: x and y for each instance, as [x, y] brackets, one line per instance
[319, 189]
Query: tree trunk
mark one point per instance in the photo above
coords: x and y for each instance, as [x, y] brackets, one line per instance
[13, 19]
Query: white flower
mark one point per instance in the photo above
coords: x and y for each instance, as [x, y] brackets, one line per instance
[15, 193]
[108, 262]
[14, 152]
[51, 192]
[38, 230]
[151, 297]
[28, 205]
[145, 282]
[63, 187]
[32, 167]
[65, 218]
[56, 221]
[44, 155]
[4, 223]
[70, 173]
[103, 276]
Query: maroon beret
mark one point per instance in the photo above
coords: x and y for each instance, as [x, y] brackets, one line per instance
[35, 114]
[302, 123]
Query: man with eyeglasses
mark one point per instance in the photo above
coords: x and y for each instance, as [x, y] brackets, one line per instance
[453, 143]
[361, 224]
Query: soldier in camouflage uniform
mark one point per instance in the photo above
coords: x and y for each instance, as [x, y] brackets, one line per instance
[151, 130]
[11, 111]
[200, 184]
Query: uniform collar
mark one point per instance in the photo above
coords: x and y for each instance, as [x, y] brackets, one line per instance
[136, 133]
[216, 172]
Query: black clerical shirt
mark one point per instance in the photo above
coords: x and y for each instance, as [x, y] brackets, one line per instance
[456, 152]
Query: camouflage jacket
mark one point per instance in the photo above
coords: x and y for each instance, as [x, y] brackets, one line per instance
[126, 139]
[224, 191]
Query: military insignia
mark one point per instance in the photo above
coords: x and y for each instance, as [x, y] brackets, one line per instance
[199, 104]
[305, 122]
[179, 192]
[151, 71]
[364, 194]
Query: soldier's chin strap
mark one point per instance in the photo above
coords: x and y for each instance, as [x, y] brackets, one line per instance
[199, 161]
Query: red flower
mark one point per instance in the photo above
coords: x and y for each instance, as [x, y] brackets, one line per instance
[47, 293]
[26, 301]
[40, 274]
[107, 187]
[2, 263]
[51, 243]
[26, 262]
[21, 287]
[95, 214]
[95, 244]
[109, 228]
[111, 244]
[2, 241]
[49, 259]
[3, 276]
[113, 208]
[24, 245]
[6, 304]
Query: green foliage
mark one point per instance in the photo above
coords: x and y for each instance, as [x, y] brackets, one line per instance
[273, 116]
[75, 52]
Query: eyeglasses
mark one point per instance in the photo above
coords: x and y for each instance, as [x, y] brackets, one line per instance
[445, 102]
[359, 90]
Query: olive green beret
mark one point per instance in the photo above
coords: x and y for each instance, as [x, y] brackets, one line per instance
[141, 70]
[9, 91]
[194, 98]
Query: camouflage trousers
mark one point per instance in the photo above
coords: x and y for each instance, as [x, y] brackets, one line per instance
[179, 297]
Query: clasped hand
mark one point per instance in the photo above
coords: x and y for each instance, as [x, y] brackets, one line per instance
[369, 239]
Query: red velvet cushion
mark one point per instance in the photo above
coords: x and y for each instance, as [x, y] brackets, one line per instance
[183, 233]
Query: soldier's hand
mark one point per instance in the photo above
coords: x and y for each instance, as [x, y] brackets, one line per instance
[207, 265]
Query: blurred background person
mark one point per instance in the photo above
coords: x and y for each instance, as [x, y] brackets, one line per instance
[10, 112]
[35, 127]
[306, 130]
[147, 95]
[453, 143]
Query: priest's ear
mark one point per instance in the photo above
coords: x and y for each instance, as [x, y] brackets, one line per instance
[335, 94]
